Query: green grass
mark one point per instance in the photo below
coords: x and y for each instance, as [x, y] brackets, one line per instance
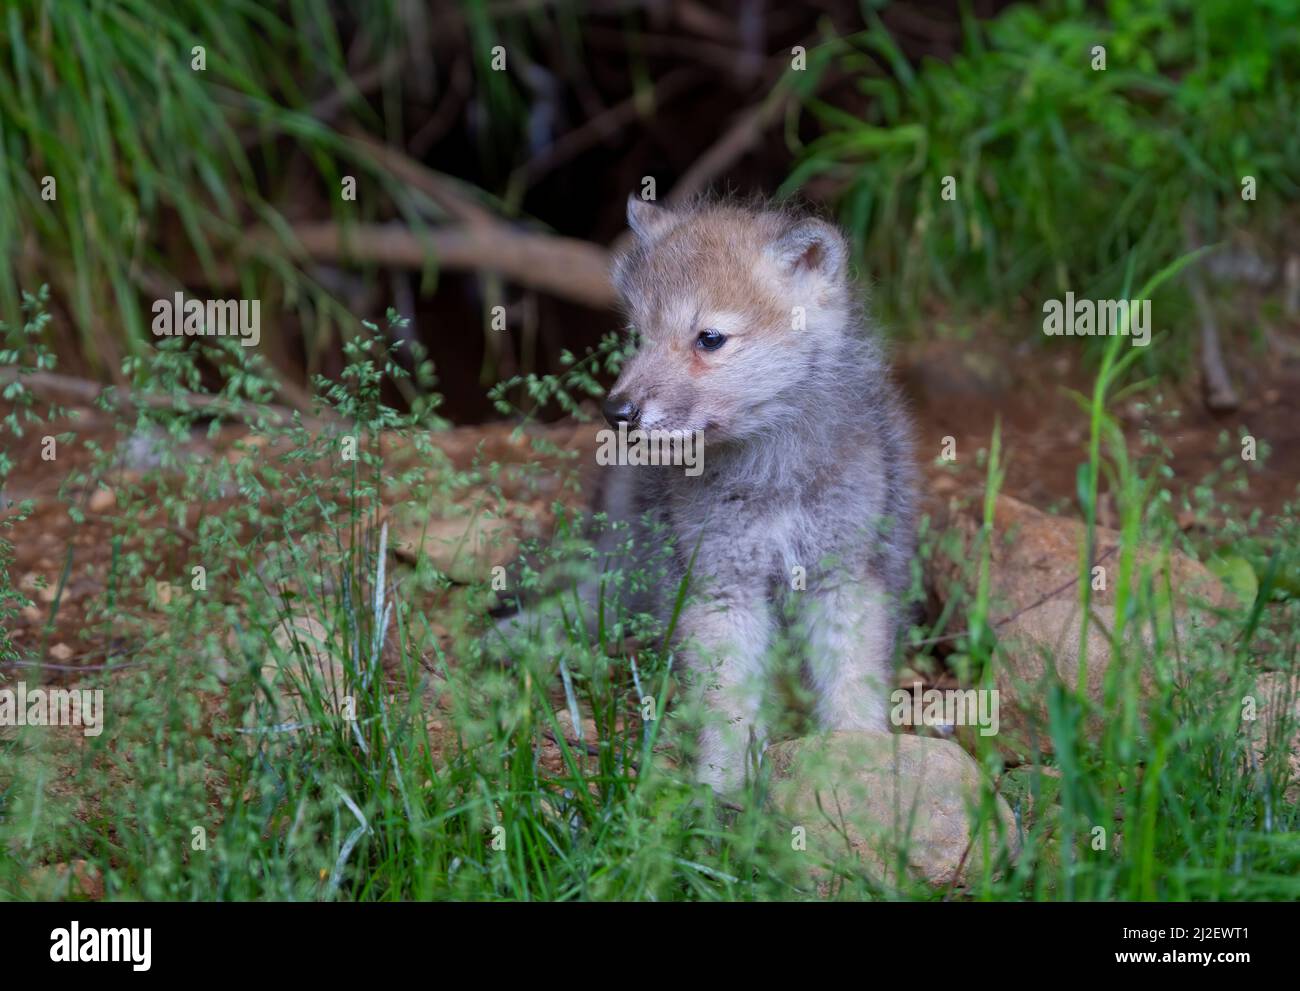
[129, 172]
[199, 790]
[151, 159]
[1060, 172]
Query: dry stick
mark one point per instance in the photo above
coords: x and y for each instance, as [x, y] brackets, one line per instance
[407, 170]
[367, 81]
[721, 57]
[605, 125]
[745, 131]
[1220, 397]
[448, 110]
[566, 267]
[329, 106]
[80, 390]
[76, 668]
[740, 137]
[698, 19]
[736, 141]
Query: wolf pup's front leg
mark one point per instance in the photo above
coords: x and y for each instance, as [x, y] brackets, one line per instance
[725, 648]
[850, 642]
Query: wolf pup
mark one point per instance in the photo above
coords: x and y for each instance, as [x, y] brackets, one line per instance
[752, 331]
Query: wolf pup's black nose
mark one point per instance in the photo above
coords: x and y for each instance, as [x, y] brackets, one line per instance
[619, 409]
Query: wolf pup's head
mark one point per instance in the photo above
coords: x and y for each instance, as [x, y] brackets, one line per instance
[736, 311]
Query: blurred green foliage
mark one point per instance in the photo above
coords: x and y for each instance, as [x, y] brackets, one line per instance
[155, 125]
[1063, 171]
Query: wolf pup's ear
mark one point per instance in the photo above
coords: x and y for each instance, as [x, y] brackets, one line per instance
[811, 247]
[647, 220]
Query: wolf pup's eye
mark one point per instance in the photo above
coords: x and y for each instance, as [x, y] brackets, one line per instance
[710, 340]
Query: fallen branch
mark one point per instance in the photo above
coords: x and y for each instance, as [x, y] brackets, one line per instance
[605, 125]
[1220, 396]
[738, 140]
[68, 389]
[407, 170]
[565, 267]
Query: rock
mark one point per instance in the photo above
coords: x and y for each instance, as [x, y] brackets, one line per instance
[166, 593]
[864, 788]
[465, 548]
[565, 719]
[102, 500]
[61, 652]
[306, 651]
[34, 584]
[1277, 720]
[77, 879]
[1034, 608]
[304, 660]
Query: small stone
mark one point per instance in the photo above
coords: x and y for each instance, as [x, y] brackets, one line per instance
[465, 548]
[221, 668]
[167, 592]
[883, 795]
[565, 719]
[304, 658]
[78, 879]
[144, 449]
[102, 500]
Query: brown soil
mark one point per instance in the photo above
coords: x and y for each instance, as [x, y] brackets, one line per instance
[955, 393]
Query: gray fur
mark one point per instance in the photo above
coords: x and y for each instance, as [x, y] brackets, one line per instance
[807, 464]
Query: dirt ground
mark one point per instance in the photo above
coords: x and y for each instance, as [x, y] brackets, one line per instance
[956, 391]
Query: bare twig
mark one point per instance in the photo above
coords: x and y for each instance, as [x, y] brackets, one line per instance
[367, 81]
[721, 57]
[453, 102]
[566, 267]
[739, 139]
[1220, 396]
[67, 388]
[605, 125]
[441, 189]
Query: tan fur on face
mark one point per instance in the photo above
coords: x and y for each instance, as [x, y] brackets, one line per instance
[715, 256]
[720, 267]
